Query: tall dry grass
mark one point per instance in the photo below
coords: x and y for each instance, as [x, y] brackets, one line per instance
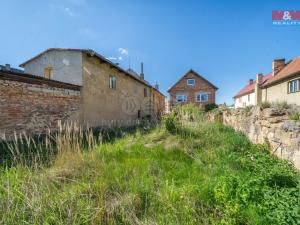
[41, 150]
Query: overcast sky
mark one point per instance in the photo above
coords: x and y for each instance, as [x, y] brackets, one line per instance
[227, 42]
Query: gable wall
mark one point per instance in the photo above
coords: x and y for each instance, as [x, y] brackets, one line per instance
[66, 66]
[191, 91]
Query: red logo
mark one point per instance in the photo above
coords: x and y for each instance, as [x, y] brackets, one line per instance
[286, 15]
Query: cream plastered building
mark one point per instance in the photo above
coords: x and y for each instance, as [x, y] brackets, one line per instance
[284, 85]
[281, 85]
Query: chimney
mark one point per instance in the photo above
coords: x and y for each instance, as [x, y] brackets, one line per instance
[7, 67]
[259, 78]
[250, 82]
[277, 65]
[258, 90]
[142, 71]
[156, 86]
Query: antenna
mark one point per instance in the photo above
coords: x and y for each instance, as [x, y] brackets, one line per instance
[156, 85]
[129, 62]
[142, 71]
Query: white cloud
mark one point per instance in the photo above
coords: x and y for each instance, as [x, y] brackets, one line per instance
[69, 11]
[120, 58]
[123, 51]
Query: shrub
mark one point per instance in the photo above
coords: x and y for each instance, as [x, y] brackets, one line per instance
[294, 116]
[280, 105]
[282, 181]
[188, 113]
[265, 105]
[170, 123]
[248, 109]
[210, 107]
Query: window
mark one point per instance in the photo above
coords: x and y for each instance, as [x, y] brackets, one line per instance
[181, 98]
[248, 98]
[145, 92]
[48, 72]
[240, 99]
[112, 82]
[293, 86]
[202, 97]
[190, 82]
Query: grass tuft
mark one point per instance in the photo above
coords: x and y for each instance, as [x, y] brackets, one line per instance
[199, 173]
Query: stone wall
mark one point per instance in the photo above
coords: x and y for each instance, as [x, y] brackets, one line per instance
[270, 125]
[33, 105]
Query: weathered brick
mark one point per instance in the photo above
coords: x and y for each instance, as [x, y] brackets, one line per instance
[32, 107]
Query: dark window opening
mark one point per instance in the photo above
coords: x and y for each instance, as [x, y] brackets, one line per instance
[112, 82]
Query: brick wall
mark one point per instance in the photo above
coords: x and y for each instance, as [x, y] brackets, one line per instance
[34, 107]
[201, 85]
[159, 104]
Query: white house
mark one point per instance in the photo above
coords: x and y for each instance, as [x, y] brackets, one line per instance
[282, 84]
[247, 95]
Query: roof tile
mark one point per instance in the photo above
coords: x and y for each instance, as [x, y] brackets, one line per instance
[290, 69]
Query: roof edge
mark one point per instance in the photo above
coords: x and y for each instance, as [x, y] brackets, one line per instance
[281, 79]
[197, 74]
[92, 53]
[51, 49]
[246, 93]
[29, 78]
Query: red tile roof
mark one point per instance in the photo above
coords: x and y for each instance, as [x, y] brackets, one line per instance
[251, 87]
[289, 70]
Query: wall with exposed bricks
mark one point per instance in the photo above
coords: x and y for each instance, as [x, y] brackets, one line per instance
[201, 85]
[34, 108]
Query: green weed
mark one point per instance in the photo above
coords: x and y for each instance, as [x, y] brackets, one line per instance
[185, 171]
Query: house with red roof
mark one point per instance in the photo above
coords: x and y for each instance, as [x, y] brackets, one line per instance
[247, 96]
[192, 88]
[282, 84]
